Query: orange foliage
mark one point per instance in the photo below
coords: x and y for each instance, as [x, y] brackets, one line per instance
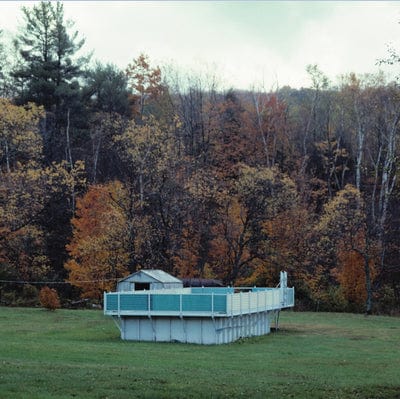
[48, 298]
[228, 137]
[144, 81]
[98, 248]
[187, 257]
[229, 249]
[289, 249]
[351, 274]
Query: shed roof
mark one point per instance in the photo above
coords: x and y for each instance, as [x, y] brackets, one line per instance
[156, 274]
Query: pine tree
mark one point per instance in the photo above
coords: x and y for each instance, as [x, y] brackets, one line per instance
[49, 70]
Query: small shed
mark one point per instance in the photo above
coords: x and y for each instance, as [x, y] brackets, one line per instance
[149, 280]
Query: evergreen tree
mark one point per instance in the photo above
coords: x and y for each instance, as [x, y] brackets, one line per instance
[4, 86]
[48, 72]
[107, 90]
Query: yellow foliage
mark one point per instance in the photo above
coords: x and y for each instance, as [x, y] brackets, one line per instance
[24, 253]
[343, 238]
[20, 140]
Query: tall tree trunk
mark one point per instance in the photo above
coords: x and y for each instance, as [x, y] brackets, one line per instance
[96, 151]
[368, 284]
[360, 144]
[261, 130]
[69, 158]
[68, 148]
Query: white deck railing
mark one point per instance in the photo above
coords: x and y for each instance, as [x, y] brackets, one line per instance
[251, 302]
[185, 303]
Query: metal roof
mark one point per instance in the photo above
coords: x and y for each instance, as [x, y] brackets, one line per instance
[158, 275]
[161, 276]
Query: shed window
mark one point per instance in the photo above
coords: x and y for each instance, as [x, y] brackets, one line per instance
[142, 286]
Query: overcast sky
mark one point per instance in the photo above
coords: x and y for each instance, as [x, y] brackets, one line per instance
[246, 42]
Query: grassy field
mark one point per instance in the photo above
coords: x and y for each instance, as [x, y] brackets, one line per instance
[78, 354]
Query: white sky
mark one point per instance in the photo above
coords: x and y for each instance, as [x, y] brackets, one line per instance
[245, 42]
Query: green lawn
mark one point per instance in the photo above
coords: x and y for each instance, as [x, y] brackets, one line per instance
[78, 354]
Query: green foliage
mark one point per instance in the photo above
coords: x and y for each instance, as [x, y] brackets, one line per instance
[107, 88]
[333, 300]
[49, 72]
[386, 301]
[19, 295]
[1, 53]
[47, 52]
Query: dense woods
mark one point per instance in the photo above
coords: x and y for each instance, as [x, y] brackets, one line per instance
[106, 171]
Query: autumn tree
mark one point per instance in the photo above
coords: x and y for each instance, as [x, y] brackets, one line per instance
[328, 164]
[373, 120]
[385, 165]
[345, 239]
[98, 249]
[197, 107]
[229, 142]
[241, 239]
[311, 124]
[103, 160]
[144, 82]
[27, 190]
[350, 274]
[145, 149]
[290, 234]
[148, 154]
[27, 194]
[20, 141]
[202, 202]
[268, 121]
[205, 190]
[22, 185]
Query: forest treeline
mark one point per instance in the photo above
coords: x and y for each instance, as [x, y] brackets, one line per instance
[105, 171]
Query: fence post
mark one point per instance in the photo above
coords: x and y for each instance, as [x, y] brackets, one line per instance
[257, 292]
[119, 303]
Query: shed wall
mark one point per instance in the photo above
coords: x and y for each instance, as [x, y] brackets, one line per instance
[128, 283]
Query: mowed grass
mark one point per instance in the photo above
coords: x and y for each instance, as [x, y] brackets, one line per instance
[78, 354]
